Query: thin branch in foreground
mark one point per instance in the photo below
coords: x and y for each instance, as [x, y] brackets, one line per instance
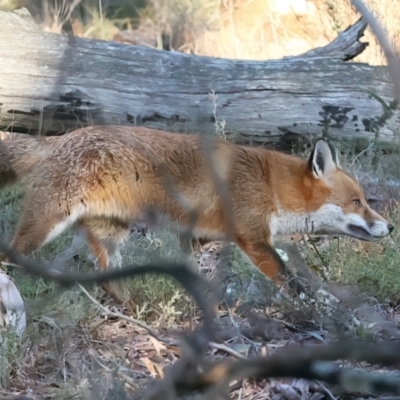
[391, 57]
[134, 321]
[215, 379]
[194, 283]
[312, 363]
[209, 148]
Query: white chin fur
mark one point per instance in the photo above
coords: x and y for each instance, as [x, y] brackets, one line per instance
[329, 219]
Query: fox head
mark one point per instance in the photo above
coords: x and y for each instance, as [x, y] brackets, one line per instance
[343, 207]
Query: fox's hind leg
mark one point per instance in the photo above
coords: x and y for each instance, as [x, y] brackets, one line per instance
[104, 237]
[111, 233]
[39, 224]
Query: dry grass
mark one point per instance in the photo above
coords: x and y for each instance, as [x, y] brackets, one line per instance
[71, 347]
[244, 29]
[259, 29]
[371, 267]
[73, 350]
[147, 291]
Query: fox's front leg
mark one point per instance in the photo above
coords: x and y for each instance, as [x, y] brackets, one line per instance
[267, 260]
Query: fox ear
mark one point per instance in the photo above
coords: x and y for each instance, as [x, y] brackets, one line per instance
[323, 159]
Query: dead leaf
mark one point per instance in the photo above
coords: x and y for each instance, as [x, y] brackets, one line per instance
[157, 345]
[152, 367]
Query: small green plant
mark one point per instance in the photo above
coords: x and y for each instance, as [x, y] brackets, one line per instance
[372, 267]
[154, 294]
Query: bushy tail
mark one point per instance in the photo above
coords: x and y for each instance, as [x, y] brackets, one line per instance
[19, 157]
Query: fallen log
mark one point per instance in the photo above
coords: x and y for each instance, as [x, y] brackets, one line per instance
[51, 84]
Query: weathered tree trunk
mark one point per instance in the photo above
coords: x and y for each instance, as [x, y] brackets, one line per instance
[50, 84]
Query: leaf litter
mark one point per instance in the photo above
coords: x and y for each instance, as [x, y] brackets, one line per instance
[104, 355]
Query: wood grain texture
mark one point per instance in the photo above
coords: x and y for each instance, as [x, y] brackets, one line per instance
[50, 84]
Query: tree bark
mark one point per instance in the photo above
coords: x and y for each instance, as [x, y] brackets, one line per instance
[51, 84]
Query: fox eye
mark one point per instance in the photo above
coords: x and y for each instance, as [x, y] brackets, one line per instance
[357, 202]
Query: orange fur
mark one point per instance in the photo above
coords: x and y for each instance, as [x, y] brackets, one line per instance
[18, 157]
[102, 177]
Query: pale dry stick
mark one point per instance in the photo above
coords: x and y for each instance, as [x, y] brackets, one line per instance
[151, 331]
[129, 381]
[50, 322]
[360, 154]
[134, 321]
[186, 276]
[391, 57]
[101, 19]
[327, 391]
[7, 264]
[223, 347]
[61, 14]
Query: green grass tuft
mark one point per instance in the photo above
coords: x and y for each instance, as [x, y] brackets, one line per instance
[373, 267]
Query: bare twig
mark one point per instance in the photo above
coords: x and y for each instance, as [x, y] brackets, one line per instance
[188, 278]
[134, 321]
[228, 350]
[209, 145]
[313, 363]
[391, 57]
[192, 372]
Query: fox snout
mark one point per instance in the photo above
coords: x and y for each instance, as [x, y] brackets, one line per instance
[381, 228]
[375, 228]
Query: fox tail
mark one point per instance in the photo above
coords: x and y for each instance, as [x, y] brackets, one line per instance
[19, 157]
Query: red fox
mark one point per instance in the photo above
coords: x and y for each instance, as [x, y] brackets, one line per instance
[102, 177]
